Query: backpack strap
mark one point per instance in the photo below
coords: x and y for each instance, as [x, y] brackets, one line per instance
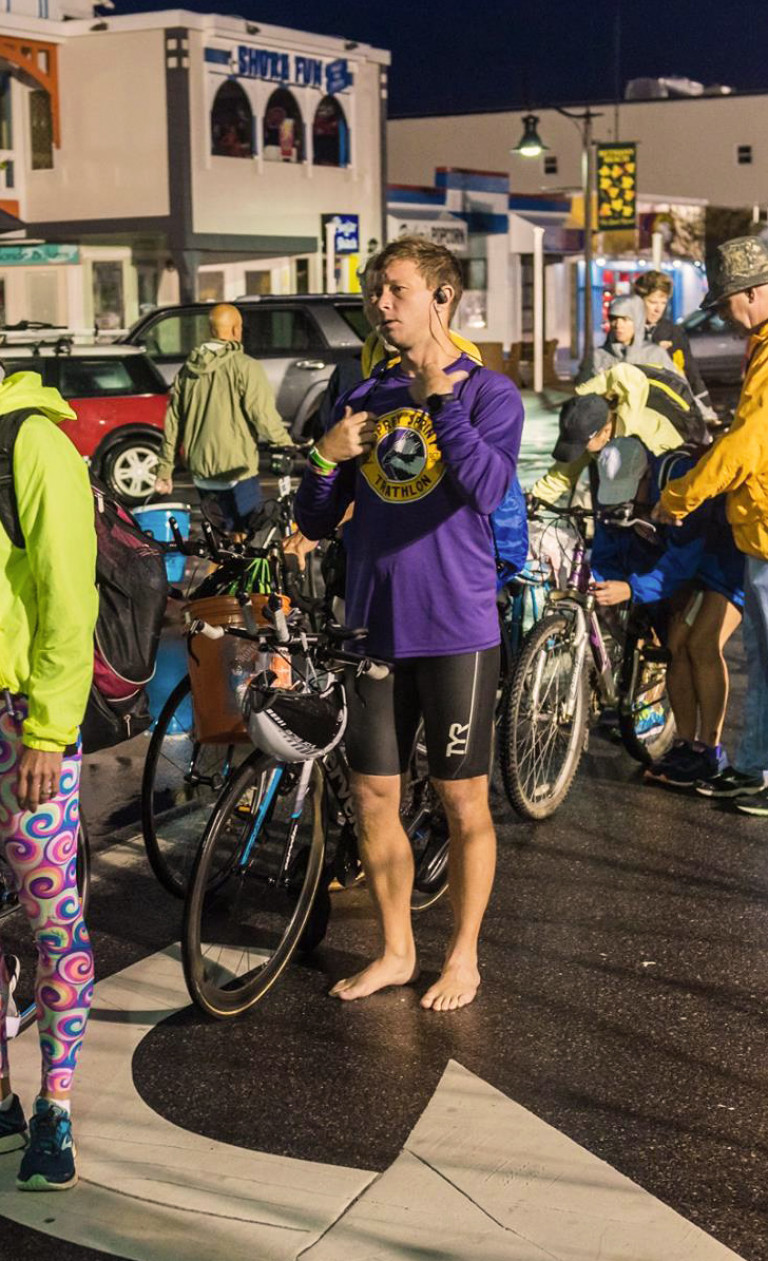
[10, 424]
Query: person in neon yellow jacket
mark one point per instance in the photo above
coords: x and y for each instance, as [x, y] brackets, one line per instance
[48, 607]
[627, 389]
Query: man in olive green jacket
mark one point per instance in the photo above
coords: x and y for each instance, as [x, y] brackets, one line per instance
[221, 404]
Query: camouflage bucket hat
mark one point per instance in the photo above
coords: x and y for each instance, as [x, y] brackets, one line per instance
[737, 265]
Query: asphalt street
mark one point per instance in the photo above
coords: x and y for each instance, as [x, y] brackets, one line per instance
[623, 1004]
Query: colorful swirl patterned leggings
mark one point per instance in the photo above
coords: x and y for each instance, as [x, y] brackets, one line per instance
[40, 849]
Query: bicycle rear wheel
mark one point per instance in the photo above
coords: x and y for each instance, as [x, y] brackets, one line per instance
[646, 722]
[253, 885]
[181, 782]
[426, 826]
[540, 746]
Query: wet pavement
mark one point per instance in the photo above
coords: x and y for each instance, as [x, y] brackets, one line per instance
[613, 1064]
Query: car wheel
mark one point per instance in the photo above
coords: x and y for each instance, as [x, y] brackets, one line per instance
[129, 469]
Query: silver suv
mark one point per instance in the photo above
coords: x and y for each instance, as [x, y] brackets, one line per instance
[298, 338]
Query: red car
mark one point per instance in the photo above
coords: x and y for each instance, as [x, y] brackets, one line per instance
[120, 399]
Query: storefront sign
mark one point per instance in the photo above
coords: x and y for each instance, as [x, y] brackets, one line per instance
[290, 69]
[347, 233]
[449, 232]
[616, 186]
[23, 255]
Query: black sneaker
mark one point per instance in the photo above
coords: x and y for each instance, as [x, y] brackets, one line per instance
[753, 803]
[13, 1127]
[730, 783]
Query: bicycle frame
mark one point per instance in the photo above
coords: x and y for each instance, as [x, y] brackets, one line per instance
[578, 602]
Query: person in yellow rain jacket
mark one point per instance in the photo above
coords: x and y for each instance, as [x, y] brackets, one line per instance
[737, 466]
[48, 608]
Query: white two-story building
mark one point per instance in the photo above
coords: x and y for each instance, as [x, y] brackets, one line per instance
[172, 155]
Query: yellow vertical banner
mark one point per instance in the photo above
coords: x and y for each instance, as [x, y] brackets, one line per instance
[616, 186]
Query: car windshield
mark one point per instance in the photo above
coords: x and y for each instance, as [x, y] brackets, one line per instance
[703, 322]
[95, 377]
[352, 313]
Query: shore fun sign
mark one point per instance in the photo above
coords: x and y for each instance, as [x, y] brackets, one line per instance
[289, 69]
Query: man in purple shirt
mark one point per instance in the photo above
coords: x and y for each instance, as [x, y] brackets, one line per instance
[426, 448]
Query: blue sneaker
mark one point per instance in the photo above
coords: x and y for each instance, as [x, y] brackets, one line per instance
[13, 1127]
[49, 1162]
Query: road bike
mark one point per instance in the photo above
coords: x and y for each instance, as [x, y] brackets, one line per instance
[183, 777]
[574, 669]
[281, 831]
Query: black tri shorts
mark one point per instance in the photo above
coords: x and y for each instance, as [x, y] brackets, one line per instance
[455, 695]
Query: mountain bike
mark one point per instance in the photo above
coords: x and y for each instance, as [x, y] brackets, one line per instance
[572, 669]
[281, 831]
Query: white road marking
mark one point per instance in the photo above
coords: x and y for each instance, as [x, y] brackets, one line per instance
[479, 1179]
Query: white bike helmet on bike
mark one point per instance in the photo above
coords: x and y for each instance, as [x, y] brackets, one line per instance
[294, 726]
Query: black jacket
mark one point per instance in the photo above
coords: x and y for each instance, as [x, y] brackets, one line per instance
[681, 354]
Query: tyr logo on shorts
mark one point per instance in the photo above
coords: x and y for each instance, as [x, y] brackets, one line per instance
[458, 735]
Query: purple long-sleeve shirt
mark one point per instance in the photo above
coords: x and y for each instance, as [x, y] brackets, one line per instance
[421, 571]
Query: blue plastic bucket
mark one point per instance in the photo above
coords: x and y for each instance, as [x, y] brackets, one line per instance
[154, 519]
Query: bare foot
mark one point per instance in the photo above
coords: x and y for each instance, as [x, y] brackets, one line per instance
[456, 986]
[388, 970]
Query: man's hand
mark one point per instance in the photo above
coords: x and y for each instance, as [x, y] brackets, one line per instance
[300, 546]
[350, 437]
[607, 593]
[163, 485]
[433, 380]
[663, 517]
[39, 775]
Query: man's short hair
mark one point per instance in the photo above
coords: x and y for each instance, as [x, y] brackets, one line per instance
[650, 281]
[435, 263]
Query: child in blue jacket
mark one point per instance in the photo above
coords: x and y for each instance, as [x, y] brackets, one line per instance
[694, 572]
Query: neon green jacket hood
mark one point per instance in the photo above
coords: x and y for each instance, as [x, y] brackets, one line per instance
[48, 598]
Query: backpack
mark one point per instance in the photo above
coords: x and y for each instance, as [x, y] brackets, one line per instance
[670, 394]
[133, 591]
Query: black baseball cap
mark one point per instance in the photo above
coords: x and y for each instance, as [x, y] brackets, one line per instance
[581, 417]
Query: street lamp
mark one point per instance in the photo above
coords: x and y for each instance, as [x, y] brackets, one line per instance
[530, 146]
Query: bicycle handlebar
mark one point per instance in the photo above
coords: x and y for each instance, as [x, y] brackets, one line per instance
[265, 637]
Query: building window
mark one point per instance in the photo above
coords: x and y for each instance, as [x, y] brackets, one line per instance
[330, 134]
[283, 128]
[108, 305]
[41, 127]
[550, 165]
[744, 154]
[6, 129]
[232, 123]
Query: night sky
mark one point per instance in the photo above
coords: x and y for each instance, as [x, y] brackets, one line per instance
[450, 57]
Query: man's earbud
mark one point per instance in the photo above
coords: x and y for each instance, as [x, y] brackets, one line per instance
[440, 296]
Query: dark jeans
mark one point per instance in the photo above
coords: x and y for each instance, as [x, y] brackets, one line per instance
[232, 511]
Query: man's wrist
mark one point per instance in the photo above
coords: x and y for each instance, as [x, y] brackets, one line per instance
[436, 402]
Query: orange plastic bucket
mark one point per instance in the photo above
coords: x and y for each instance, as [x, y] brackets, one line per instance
[220, 669]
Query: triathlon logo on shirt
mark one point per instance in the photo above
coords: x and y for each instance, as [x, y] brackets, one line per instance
[404, 463]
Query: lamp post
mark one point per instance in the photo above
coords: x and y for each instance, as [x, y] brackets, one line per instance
[530, 145]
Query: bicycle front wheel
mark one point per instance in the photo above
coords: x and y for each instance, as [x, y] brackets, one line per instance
[543, 719]
[253, 885]
[181, 782]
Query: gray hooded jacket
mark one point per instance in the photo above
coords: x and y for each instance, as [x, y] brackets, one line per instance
[639, 350]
